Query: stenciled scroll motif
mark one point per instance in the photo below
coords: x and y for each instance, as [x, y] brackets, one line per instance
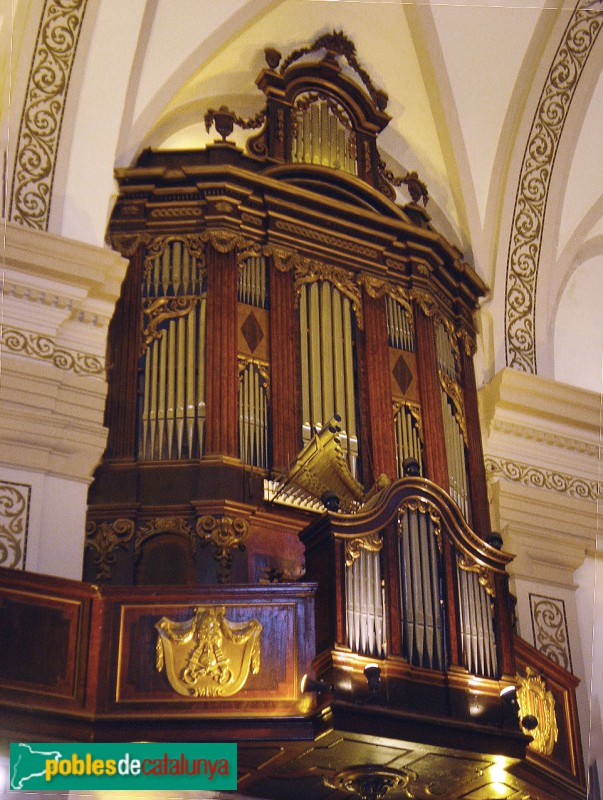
[527, 227]
[45, 98]
[208, 656]
[549, 625]
[14, 518]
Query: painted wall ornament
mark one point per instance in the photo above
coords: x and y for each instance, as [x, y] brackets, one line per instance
[208, 656]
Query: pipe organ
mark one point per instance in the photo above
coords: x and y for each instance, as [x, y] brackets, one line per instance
[291, 332]
[172, 397]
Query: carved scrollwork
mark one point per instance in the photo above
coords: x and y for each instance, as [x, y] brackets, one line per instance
[308, 271]
[485, 576]
[105, 538]
[156, 246]
[454, 392]
[226, 535]
[262, 367]
[353, 547]
[160, 309]
[161, 525]
[423, 507]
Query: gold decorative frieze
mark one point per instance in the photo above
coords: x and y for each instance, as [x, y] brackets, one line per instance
[104, 539]
[161, 309]
[329, 239]
[226, 535]
[527, 227]
[35, 345]
[541, 478]
[549, 625]
[208, 656]
[371, 544]
[159, 525]
[45, 97]
[537, 701]
[14, 520]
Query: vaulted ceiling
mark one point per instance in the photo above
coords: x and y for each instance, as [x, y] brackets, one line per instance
[497, 104]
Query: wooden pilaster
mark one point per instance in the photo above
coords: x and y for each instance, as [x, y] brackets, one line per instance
[375, 393]
[475, 454]
[221, 348]
[284, 369]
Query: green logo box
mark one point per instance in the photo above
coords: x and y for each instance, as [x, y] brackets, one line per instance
[137, 765]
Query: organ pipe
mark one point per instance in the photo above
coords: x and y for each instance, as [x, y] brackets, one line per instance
[477, 630]
[327, 364]
[323, 134]
[365, 600]
[173, 359]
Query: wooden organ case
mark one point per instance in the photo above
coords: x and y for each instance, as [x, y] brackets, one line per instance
[291, 389]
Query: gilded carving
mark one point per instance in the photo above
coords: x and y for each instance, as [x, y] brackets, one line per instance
[372, 544]
[308, 271]
[176, 212]
[104, 539]
[14, 518]
[225, 534]
[160, 525]
[35, 345]
[156, 246]
[378, 287]
[454, 392]
[426, 303]
[40, 127]
[536, 700]
[527, 227]
[541, 478]
[422, 507]
[160, 309]
[208, 656]
[126, 243]
[262, 367]
[485, 576]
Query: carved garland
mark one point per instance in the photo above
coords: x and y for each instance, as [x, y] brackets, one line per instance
[371, 544]
[104, 539]
[45, 97]
[226, 535]
[527, 228]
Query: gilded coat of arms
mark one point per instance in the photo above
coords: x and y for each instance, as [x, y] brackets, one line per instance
[538, 701]
[208, 656]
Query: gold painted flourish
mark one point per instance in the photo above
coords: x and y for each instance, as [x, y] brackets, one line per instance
[226, 535]
[45, 97]
[372, 544]
[104, 539]
[541, 478]
[14, 513]
[161, 309]
[527, 227]
[34, 345]
[208, 656]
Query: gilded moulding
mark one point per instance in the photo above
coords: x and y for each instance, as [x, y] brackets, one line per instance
[536, 700]
[527, 227]
[42, 116]
[226, 535]
[35, 345]
[208, 656]
[104, 539]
